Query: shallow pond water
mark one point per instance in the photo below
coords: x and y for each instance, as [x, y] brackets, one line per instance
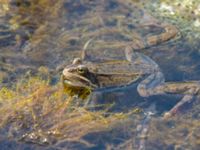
[40, 37]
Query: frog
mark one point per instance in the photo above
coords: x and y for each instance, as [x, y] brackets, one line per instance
[86, 74]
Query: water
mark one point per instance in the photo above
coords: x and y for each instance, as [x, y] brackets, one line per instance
[38, 37]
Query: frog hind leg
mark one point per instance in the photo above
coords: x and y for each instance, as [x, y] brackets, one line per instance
[176, 108]
[152, 85]
[186, 99]
[146, 63]
[170, 32]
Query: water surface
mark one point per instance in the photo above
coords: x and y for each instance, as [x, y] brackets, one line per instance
[37, 37]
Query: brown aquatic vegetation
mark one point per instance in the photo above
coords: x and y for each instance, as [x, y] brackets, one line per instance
[22, 18]
[34, 110]
[181, 132]
[31, 104]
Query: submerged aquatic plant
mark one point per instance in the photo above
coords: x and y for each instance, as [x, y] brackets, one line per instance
[34, 111]
[21, 18]
[178, 132]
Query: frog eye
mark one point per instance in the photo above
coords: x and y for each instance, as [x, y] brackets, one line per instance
[81, 69]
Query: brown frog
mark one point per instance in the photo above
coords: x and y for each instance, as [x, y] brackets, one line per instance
[83, 74]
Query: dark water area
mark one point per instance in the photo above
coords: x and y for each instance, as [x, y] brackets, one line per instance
[38, 38]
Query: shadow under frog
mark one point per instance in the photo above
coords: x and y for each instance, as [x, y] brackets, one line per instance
[83, 73]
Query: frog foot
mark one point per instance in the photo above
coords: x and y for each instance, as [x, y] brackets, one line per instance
[176, 108]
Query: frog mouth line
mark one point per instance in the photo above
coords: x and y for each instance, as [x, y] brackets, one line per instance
[68, 82]
[73, 80]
